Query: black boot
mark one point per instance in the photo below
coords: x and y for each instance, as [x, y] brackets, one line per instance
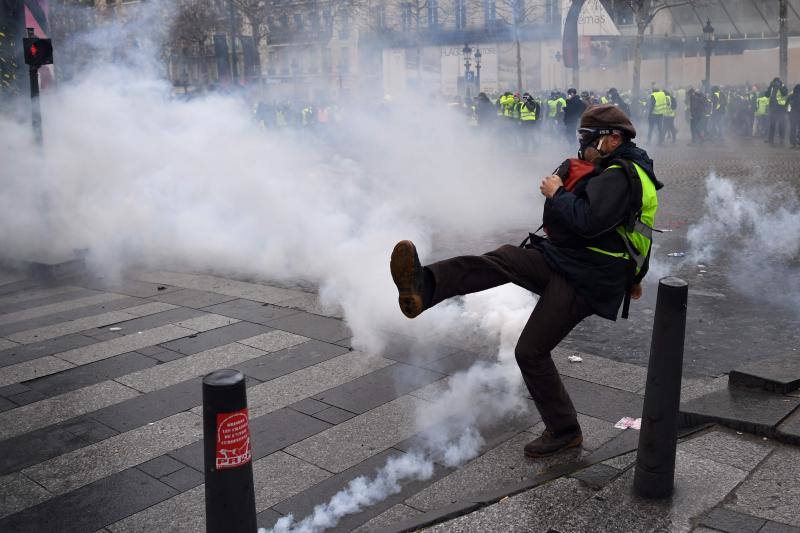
[550, 443]
[414, 283]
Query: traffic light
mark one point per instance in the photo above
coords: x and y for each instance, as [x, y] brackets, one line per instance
[38, 51]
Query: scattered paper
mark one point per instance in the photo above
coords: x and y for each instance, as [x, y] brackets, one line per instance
[664, 230]
[628, 422]
[575, 359]
[703, 271]
[701, 266]
[115, 329]
[676, 254]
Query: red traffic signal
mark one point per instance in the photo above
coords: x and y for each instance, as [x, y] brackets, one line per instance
[38, 51]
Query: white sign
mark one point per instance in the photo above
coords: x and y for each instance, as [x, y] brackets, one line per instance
[593, 19]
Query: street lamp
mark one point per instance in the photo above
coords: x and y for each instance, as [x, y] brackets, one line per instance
[467, 51]
[708, 37]
[478, 57]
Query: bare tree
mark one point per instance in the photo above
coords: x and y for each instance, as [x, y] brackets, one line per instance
[644, 11]
[194, 23]
[516, 14]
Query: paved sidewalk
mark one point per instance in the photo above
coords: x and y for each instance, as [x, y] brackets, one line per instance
[100, 428]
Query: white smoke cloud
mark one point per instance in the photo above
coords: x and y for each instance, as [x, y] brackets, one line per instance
[756, 232]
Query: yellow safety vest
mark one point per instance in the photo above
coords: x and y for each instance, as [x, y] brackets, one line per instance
[525, 114]
[763, 106]
[669, 112]
[552, 108]
[660, 106]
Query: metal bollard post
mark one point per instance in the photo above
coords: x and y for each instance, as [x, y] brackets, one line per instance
[230, 499]
[658, 439]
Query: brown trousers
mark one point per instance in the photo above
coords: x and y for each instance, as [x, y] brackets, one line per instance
[559, 310]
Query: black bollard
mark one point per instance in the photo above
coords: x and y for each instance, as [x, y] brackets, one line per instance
[658, 439]
[230, 499]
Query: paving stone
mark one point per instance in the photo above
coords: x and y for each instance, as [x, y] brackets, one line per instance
[12, 390]
[414, 351]
[217, 337]
[433, 391]
[267, 517]
[199, 364]
[25, 398]
[293, 387]
[621, 462]
[142, 323]
[40, 445]
[153, 406]
[165, 356]
[27, 314]
[303, 504]
[18, 492]
[740, 451]
[5, 405]
[392, 515]
[120, 304]
[62, 407]
[790, 427]
[239, 289]
[596, 476]
[290, 359]
[91, 430]
[41, 301]
[455, 362]
[310, 303]
[85, 375]
[250, 311]
[86, 465]
[14, 287]
[184, 479]
[73, 326]
[309, 406]
[160, 466]
[540, 507]
[742, 408]
[726, 520]
[128, 343]
[93, 506]
[130, 287]
[502, 466]
[376, 388]
[207, 322]
[700, 484]
[773, 490]
[35, 293]
[775, 374]
[692, 388]
[151, 308]
[5, 344]
[192, 298]
[334, 415]
[313, 326]
[274, 341]
[29, 370]
[268, 433]
[601, 370]
[774, 527]
[275, 478]
[596, 432]
[351, 442]
[28, 352]
[603, 402]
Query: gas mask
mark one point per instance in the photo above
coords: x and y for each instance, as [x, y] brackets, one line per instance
[592, 138]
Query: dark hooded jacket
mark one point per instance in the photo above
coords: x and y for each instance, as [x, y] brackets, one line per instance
[588, 216]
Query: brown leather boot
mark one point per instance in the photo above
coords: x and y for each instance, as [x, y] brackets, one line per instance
[549, 444]
[409, 277]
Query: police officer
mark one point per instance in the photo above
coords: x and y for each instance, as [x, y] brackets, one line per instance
[595, 257]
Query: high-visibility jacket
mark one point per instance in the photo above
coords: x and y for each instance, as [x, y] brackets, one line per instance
[525, 114]
[762, 106]
[603, 100]
[719, 101]
[669, 112]
[660, 106]
[637, 231]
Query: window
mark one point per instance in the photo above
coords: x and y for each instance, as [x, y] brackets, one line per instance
[314, 18]
[433, 13]
[344, 25]
[461, 14]
[344, 59]
[551, 11]
[405, 16]
[489, 12]
[298, 21]
[519, 11]
[327, 18]
[380, 17]
[326, 59]
[283, 21]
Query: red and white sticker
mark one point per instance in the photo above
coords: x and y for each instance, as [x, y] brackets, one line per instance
[233, 439]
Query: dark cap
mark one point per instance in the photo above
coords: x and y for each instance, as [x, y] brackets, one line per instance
[608, 116]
